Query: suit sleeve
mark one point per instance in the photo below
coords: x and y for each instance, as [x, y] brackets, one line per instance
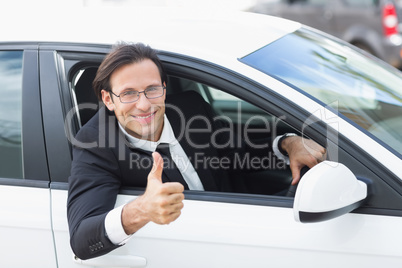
[93, 188]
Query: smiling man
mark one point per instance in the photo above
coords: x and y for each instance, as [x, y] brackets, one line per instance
[136, 125]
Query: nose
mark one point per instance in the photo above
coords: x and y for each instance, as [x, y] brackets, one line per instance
[143, 103]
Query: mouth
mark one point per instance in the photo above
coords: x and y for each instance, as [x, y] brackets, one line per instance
[145, 118]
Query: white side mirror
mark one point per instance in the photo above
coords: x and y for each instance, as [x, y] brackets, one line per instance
[326, 191]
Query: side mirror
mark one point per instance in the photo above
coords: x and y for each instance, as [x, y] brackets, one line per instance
[326, 191]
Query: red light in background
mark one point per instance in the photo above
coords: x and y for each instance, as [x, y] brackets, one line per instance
[389, 20]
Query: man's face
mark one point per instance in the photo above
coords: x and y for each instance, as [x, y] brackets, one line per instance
[143, 118]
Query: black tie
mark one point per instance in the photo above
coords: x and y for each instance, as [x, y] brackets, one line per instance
[170, 170]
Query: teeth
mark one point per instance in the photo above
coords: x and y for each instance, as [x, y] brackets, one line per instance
[142, 117]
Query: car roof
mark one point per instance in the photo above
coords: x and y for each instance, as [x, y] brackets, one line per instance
[182, 30]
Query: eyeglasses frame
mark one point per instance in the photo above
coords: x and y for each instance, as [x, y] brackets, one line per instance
[139, 92]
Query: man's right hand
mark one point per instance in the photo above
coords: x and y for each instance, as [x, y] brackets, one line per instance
[161, 203]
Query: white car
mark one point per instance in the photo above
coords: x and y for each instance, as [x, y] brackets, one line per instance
[266, 74]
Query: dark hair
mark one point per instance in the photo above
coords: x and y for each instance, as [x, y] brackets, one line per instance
[124, 54]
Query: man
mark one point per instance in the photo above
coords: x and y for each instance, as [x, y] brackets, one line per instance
[131, 83]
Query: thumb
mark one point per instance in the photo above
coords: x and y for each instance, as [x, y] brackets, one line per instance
[157, 167]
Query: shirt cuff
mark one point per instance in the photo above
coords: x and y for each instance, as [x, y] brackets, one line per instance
[278, 153]
[114, 227]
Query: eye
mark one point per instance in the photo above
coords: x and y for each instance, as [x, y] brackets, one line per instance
[130, 93]
[151, 89]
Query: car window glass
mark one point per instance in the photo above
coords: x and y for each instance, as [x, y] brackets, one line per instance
[221, 95]
[365, 91]
[10, 114]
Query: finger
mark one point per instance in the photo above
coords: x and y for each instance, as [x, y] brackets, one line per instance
[174, 216]
[176, 187]
[295, 169]
[317, 151]
[175, 198]
[157, 167]
[176, 208]
[323, 156]
[172, 188]
[168, 218]
[314, 158]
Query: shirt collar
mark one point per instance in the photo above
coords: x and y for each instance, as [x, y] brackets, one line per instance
[167, 136]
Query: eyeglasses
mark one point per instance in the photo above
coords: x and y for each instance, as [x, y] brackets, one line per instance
[133, 95]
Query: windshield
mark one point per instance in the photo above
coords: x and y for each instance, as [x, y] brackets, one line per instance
[365, 90]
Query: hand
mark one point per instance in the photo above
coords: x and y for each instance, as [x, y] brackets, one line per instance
[302, 152]
[161, 203]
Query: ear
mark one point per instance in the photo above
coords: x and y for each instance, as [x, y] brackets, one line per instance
[107, 100]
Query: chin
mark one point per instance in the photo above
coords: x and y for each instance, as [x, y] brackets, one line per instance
[144, 131]
[144, 134]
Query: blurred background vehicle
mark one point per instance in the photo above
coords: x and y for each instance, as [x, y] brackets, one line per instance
[372, 25]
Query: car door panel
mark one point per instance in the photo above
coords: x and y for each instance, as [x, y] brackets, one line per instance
[216, 234]
[25, 227]
[65, 256]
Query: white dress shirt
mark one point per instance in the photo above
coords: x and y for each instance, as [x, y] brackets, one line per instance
[277, 152]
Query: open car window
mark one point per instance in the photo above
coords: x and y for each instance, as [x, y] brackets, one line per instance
[246, 120]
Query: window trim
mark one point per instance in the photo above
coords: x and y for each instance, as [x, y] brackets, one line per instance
[35, 168]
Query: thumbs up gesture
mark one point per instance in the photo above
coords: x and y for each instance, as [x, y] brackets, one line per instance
[157, 169]
[161, 203]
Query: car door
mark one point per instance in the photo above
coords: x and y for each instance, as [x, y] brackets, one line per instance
[25, 221]
[228, 229]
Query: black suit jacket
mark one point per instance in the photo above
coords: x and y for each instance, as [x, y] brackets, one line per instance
[103, 162]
